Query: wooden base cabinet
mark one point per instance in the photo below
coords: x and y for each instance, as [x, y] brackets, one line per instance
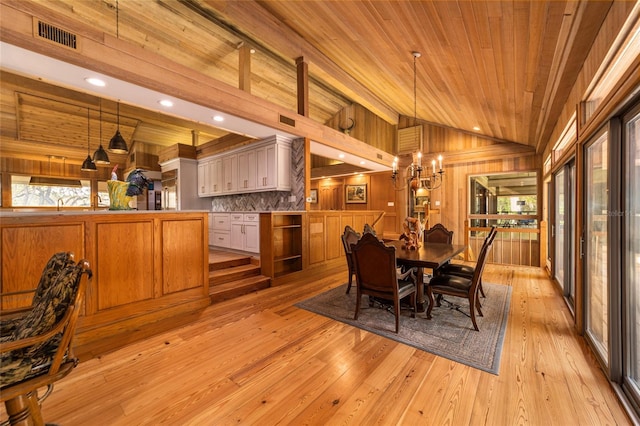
[281, 243]
[245, 233]
[147, 267]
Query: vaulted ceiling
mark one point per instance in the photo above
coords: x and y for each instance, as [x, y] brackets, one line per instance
[502, 69]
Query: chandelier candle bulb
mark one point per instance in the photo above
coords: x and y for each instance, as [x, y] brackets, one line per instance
[439, 162]
[433, 163]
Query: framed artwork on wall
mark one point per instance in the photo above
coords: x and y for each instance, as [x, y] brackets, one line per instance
[356, 194]
[313, 196]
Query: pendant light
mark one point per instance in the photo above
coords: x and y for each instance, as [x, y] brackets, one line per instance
[88, 165]
[117, 144]
[100, 156]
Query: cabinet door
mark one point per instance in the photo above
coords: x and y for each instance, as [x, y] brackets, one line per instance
[217, 178]
[237, 236]
[266, 166]
[251, 237]
[204, 179]
[230, 173]
[247, 170]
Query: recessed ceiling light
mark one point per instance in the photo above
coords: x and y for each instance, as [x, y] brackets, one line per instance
[363, 162]
[166, 103]
[218, 118]
[476, 128]
[341, 156]
[95, 81]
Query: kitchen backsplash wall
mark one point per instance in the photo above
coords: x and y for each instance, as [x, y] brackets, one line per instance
[271, 200]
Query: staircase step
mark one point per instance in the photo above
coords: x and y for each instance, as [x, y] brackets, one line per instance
[230, 263]
[236, 288]
[233, 273]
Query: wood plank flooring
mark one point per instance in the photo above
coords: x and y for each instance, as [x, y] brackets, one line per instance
[258, 359]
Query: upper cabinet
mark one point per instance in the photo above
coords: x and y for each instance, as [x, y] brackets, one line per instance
[263, 166]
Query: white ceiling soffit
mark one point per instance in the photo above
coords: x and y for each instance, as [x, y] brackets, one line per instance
[333, 153]
[35, 65]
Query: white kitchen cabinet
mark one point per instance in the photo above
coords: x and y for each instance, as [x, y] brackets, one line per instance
[274, 166]
[245, 232]
[247, 170]
[230, 173]
[216, 176]
[221, 230]
[262, 166]
[204, 178]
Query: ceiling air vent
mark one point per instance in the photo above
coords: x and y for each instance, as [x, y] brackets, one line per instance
[56, 35]
[288, 121]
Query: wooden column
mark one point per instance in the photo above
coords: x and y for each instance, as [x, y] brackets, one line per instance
[303, 86]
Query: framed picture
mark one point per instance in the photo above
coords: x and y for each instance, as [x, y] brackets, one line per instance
[313, 196]
[356, 194]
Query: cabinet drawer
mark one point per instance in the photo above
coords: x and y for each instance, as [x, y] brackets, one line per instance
[221, 222]
[236, 217]
[221, 239]
[252, 217]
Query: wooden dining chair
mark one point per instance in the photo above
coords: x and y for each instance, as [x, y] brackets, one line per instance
[466, 271]
[376, 275]
[452, 285]
[438, 233]
[368, 229]
[38, 350]
[348, 237]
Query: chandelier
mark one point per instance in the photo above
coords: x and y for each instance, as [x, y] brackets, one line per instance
[416, 179]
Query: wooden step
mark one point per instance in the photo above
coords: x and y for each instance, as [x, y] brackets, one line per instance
[229, 290]
[230, 263]
[233, 273]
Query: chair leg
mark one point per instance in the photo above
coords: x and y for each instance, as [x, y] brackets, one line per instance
[430, 307]
[358, 297]
[24, 410]
[350, 282]
[472, 299]
[396, 308]
[481, 289]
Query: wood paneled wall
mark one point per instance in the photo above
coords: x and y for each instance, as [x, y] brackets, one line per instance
[368, 127]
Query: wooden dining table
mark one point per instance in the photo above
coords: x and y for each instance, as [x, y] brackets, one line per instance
[429, 255]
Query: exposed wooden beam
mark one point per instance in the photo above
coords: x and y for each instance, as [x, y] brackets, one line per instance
[266, 27]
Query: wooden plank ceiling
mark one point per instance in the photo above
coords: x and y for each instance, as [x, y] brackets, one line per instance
[501, 69]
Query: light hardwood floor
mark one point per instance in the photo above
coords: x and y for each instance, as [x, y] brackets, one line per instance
[258, 359]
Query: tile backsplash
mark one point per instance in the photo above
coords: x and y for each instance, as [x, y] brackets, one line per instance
[270, 200]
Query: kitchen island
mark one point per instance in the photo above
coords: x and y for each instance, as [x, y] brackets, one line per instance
[148, 266]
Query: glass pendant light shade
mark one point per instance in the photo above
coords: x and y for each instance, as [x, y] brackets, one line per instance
[117, 144]
[88, 165]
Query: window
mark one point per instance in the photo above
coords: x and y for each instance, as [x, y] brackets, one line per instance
[514, 196]
[27, 191]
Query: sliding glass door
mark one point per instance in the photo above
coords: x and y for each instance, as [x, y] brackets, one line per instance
[596, 244]
[564, 231]
[631, 255]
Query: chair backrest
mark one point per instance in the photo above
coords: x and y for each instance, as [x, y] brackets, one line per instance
[56, 263]
[44, 334]
[375, 266]
[438, 234]
[368, 229]
[492, 235]
[349, 236]
[482, 260]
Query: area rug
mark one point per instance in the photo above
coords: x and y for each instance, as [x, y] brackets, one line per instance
[448, 334]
